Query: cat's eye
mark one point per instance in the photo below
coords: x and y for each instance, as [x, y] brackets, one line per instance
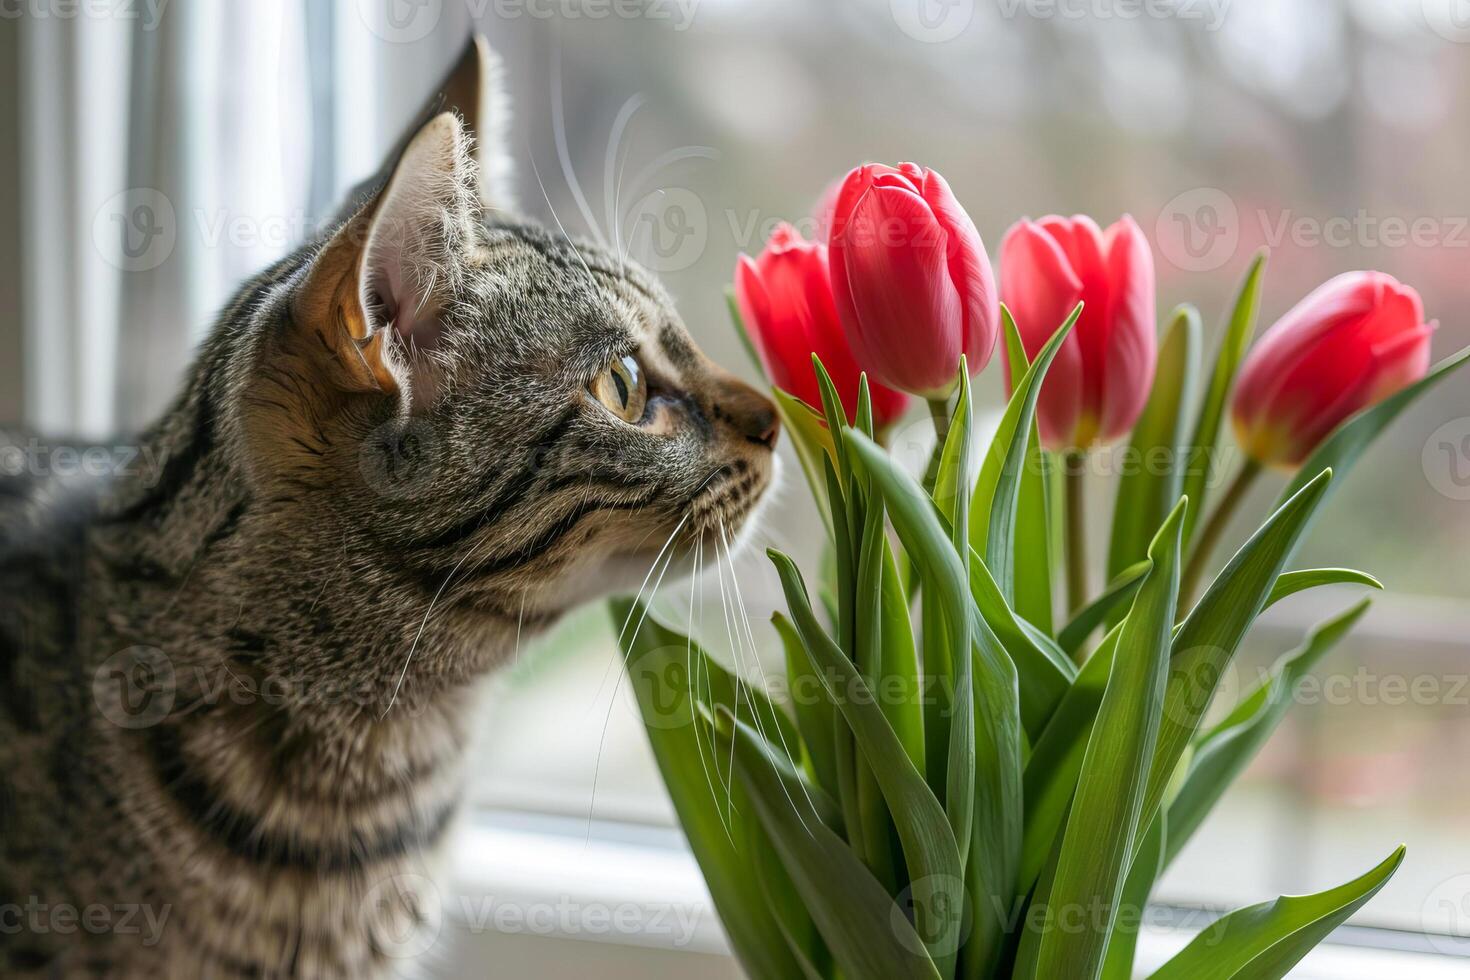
[622, 388]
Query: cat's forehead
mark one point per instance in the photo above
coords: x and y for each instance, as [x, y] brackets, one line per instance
[564, 257]
[589, 297]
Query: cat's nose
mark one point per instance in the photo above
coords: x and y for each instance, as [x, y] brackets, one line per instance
[763, 426]
[753, 415]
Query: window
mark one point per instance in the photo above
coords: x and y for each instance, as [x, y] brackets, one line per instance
[1323, 131]
[1333, 133]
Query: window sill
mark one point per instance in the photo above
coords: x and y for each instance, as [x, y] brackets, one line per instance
[522, 877]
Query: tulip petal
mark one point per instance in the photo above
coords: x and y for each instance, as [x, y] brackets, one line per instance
[1349, 344]
[905, 318]
[1342, 300]
[785, 300]
[1131, 343]
[1082, 240]
[969, 270]
[1041, 290]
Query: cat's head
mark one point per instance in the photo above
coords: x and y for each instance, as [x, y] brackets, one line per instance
[494, 411]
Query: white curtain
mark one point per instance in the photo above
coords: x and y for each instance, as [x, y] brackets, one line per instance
[167, 154]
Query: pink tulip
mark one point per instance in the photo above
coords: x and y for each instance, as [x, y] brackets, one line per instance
[1101, 377]
[785, 299]
[1350, 344]
[911, 279]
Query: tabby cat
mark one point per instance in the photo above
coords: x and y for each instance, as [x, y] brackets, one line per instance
[235, 699]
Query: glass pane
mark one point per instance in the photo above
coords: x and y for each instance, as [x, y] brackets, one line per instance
[1333, 133]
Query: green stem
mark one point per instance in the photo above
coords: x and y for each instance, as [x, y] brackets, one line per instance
[1074, 469]
[1210, 534]
[939, 412]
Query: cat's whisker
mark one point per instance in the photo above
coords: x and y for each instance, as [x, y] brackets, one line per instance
[764, 681]
[668, 159]
[617, 684]
[520, 621]
[745, 616]
[652, 567]
[419, 635]
[559, 135]
[668, 543]
[743, 687]
[621, 245]
[609, 163]
[398, 686]
[536, 172]
[484, 548]
[173, 600]
[691, 674]
[735, 654]
[702, 668]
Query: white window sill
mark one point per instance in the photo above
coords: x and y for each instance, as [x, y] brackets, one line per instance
[542, 889]
[550, 876]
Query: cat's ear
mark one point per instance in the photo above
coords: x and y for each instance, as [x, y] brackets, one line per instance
[474, 90]
[374, 294]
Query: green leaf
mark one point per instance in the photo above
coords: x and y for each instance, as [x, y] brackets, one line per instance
[1224, 752]
[997, 492]
[983, 787]
[862, 802]
[812, 440]
[923, 828]
[869, 640]
[886, 651]
[1265, 941]
[794, 785]
[963, 757]
[660, 674]
[815, 713]
[1102, 832]
[1201, 650]
[1154, 478]
[1033, 533]
[849, 773]
[1148, 864]
[1043, 672]
[955, 475]
[1290, 583]
[843, 535]
[939, 686]
[796, 925]
[925, 537]
[864, 420]
[723, 687]
[868, 935]
[1347, 442]
[995, 850]
[1199, 467]
[1118, 592]
[835, 414]
[1209, 637]
[1028, 948]
[1056, 761]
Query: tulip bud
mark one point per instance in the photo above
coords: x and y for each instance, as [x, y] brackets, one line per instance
[911, 280]
[1100, 379]
[785, 299]
[1350, 344]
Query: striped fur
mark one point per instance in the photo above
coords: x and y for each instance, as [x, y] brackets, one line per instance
[236, 687]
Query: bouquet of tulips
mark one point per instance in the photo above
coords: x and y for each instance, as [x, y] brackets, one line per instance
[959, 781]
